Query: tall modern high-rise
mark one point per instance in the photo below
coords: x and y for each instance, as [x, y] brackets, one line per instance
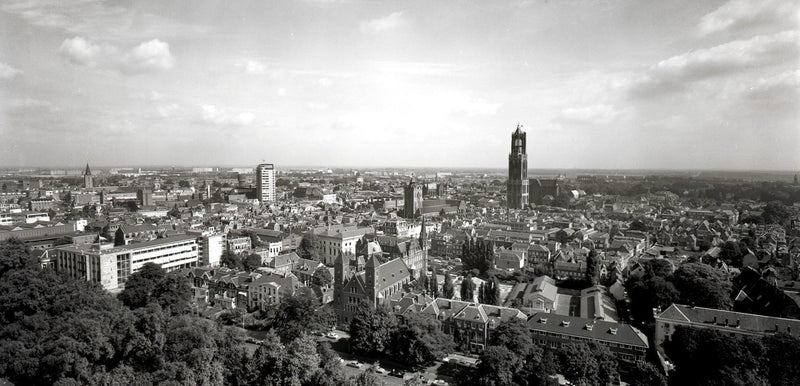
[265, 182]
[517, 171]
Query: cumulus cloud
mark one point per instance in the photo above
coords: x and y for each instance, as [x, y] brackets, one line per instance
[81, 51]
[153, 55]
[382, 24]
[751, 16]
[678, 72]
[7, 72]
[217, 116]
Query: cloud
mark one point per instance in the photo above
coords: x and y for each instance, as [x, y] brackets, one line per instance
[253, 67]
[81, 51]
[32, 104]
[7, 72]
[751, 16]
[324, 82]
[99, 18]
[382, 24]
[167, 110]
[680, 71]
[212, 114]
[594, 114]
[153, 55]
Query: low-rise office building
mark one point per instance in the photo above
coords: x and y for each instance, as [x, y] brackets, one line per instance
[110, 266]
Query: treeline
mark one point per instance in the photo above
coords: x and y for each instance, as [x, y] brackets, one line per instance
[709, 357]
[415, 340]
[57, 330]
[513, 358]
[694, 284]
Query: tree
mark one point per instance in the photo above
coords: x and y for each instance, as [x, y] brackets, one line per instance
[776, 212]
[433, 286]
[703, 286]
[371, 329]
[151, 284]
[645, 374]
[141, 285]
[781, 359]
[498, 367]
[367, 377]
[587, 364]
[252, 262]
[231, 260]
[514, 335]
[266, 365]
[647, 293]
[592, 267]
[419, 341]
[447, 287]
[323, 277]
[184, 184]
[659, 267]
[467, 289]
[299, 315]
[731, 253]
[131, 206]
[709, 357]
[13, 255]
[330, 372]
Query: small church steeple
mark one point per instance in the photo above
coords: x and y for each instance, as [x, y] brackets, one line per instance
[87, 178]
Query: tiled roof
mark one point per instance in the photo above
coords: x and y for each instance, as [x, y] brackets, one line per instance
[587, 328]
[730, 319]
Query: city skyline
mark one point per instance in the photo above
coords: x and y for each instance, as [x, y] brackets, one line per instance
[614, 85]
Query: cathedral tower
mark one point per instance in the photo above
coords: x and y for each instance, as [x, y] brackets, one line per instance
[517, 171]
[412, 199]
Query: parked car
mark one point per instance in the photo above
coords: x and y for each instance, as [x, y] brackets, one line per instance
[380, 370]
[332, 335]
[354, 364]
[397, 373]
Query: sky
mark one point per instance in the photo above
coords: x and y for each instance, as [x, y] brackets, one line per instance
[605, 84]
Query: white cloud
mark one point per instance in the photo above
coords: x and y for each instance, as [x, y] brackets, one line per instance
[382, 24]
[595, 114]
[324, 82]
[743, 16]
[155, 96]
[82, 51]
[281, 92]
[678, 72]
[7, 72]
[167, 110]
[251, 66]
[217, 116]
[153, 55]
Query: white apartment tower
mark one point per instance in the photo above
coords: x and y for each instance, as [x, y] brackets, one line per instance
[265, 182]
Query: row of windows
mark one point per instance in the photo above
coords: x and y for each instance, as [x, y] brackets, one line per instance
[165, 247]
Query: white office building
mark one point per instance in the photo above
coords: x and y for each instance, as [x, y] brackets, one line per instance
[265, 182]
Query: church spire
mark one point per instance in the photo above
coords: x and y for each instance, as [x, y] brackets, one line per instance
[87, 172]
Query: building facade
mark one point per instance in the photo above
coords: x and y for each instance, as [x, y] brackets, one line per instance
[517, 171]
[110, 266]
[265, 182]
